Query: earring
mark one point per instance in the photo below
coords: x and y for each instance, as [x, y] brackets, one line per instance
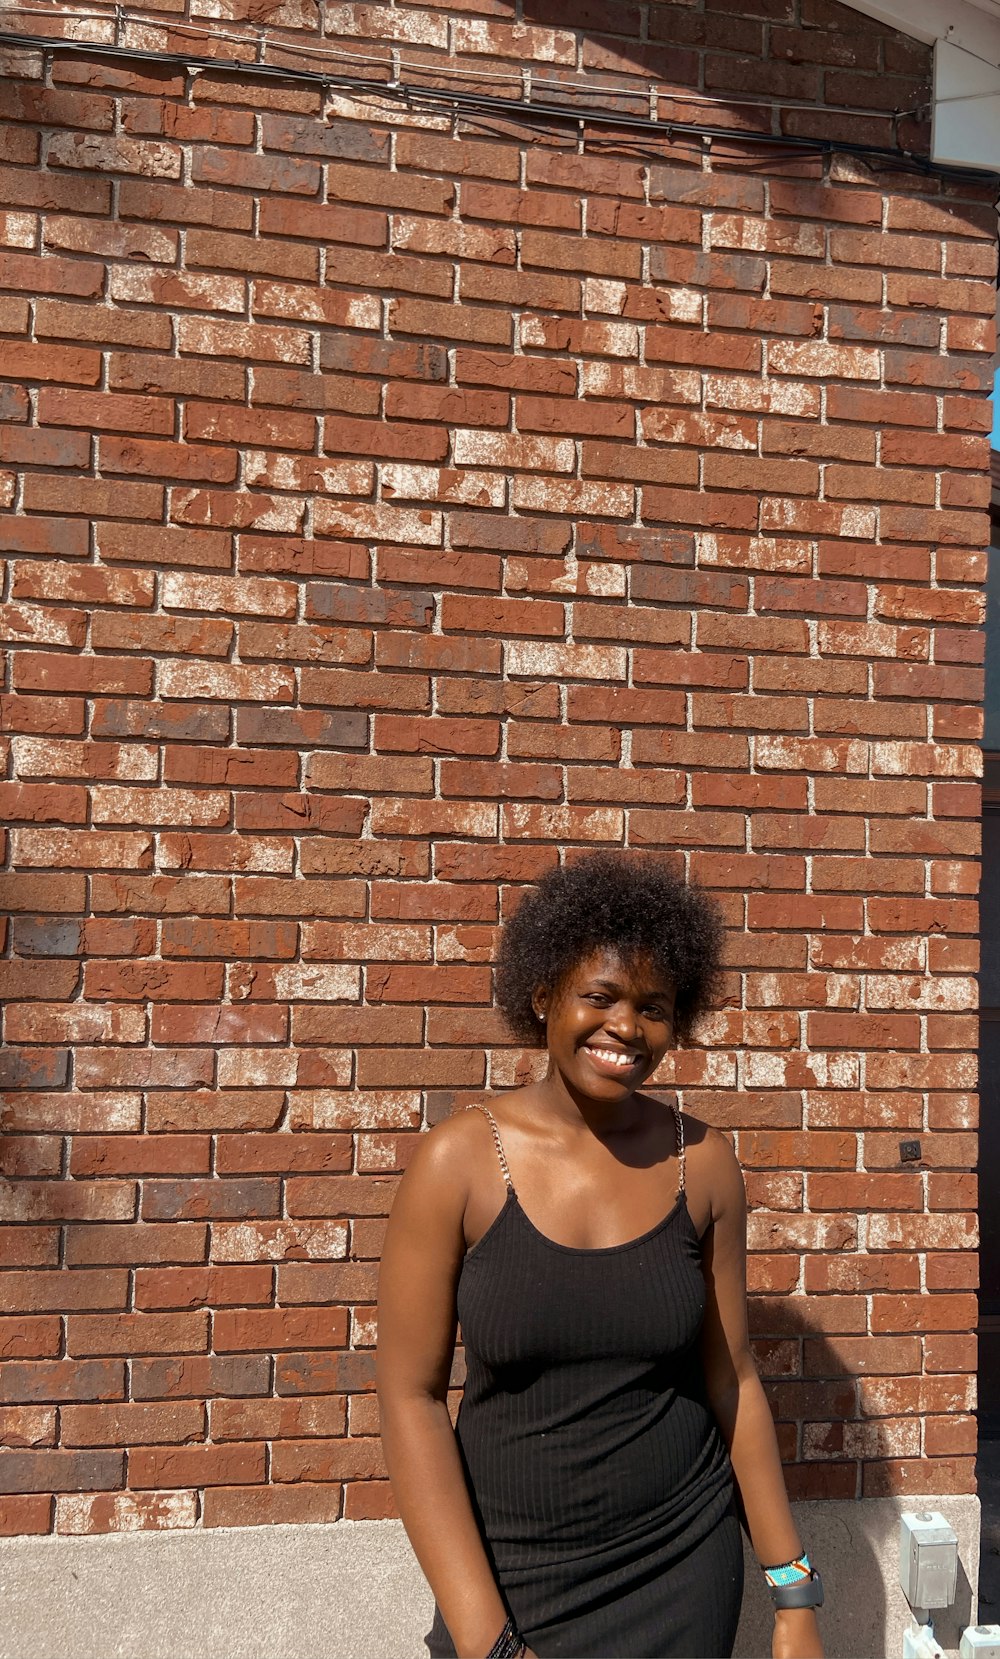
[542, 1018]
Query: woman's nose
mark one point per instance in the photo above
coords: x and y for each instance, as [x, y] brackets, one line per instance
[623, 1021]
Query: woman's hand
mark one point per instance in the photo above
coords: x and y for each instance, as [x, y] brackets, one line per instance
[796, 1634]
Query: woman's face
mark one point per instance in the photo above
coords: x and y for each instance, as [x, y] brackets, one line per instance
[609, 1024]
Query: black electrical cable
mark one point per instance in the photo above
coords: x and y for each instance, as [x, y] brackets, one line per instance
[472, 104]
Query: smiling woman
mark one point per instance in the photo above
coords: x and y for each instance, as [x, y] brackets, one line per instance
[592, 1242]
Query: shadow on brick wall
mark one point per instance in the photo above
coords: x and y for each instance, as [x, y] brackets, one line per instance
[847, 1434]
[814, 1394]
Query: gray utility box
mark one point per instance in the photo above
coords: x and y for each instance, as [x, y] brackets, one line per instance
[928, 1559]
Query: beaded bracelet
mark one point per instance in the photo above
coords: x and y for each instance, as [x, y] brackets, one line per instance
[788, 1573]
[510, 1644]
[794, 1584]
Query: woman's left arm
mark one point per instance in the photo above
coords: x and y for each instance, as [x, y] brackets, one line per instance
[736, 1395]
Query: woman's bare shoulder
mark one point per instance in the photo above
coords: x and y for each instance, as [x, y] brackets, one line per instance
[712, 1164]
[446, 1155]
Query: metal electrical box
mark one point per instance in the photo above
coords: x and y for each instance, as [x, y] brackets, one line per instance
[928, 1559]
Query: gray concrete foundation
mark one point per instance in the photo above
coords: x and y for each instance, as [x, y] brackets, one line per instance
[354, 1591]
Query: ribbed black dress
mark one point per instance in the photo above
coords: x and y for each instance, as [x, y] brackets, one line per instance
[600, 1483]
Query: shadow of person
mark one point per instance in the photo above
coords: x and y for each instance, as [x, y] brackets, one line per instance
[824, 1392]
[812, 1384]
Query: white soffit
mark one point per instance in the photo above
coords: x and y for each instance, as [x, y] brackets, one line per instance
[966, 95]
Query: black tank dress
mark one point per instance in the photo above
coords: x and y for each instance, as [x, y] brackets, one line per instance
[600, 1482]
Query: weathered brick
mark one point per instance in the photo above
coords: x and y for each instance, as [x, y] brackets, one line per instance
[61, 1471]
[126, 1512]
[197, 1377]
[303, 1503]
[170, 1466]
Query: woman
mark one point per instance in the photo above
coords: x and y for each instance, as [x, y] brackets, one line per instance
[593, 1245]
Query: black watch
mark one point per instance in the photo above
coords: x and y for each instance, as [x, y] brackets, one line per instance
[807, 1592]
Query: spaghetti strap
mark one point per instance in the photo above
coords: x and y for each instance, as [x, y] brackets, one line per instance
[679, 1131]
[497, 1142]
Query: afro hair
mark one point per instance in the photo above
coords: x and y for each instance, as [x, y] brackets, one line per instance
[635, 907]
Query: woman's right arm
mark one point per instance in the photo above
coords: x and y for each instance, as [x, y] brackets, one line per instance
[421, 1262]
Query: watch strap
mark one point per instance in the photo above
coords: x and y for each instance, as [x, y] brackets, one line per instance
[807, 1592]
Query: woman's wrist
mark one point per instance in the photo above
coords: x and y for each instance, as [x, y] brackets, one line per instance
[474, 1638]
[794, 1584]
[793, 1615]
[510, 1644]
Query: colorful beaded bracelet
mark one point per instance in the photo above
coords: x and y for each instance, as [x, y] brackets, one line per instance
[789, 1573]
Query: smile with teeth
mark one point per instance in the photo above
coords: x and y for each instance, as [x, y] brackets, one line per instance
[613, 1055]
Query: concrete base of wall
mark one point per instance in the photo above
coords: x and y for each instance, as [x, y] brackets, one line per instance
[354, 1591]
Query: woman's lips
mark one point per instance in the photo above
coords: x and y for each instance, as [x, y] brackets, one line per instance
[612, 1062]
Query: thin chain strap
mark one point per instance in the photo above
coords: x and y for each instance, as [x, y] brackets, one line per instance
[497, 1142]
[679, 1127]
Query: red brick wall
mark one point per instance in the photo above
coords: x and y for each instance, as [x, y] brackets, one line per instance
[335, 609]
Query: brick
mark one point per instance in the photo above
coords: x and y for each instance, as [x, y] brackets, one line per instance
[169, 546]
[266, 1241]
[25, 1515]
[278, 1419]
[325, 1459]
[462, 158]
[200, 1376]
[128, 1155]
[92, 496]
[32, 1155]
[255, 173]
[304, 1503]
[14, 403]
[26, 1337]
[194, 1199]
[410, 192]
[61, 1471]
[227, 682]
[65, 538]
[51, 275]
[356, 227]
[131, 1424]
[44, 363]
[279, 1328]
[177, 1466]
[115, 805]
[37, 1292]
[64, 757]
[167, 460]
[75, 322]
[940, 1312]
[135, 1243]
[126, 1512]
[137, 1333]
[30, 1246]
[62, 1381]
[322, 1282]
[192, 1287]
[97, 675]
